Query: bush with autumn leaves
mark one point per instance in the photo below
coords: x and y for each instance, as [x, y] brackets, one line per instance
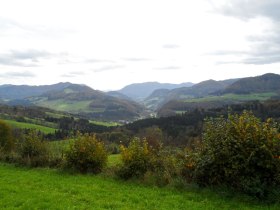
[241, 152]
[87, 154]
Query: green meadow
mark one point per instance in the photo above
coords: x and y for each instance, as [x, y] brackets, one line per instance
[25, 188]
[235, 97]
[41, 128]
[103, 123]
[66, 106]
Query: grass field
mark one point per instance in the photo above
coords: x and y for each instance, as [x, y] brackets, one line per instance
[66, 106]
[103, 123]
[41, 128]
[23, 188]
[114, 160]
[234, 97]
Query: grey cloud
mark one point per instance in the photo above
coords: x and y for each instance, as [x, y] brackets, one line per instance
[28, 58]
[73, 74]
[168, 68]
[262, 60]
[257, 57]
[227, 52]
[99, 61]
[10, 61]
[108, 68]
[33, 30]
[68, 75]
[18, 74]
[170, 46]
[29, 54]
[136, 59]
[250, 8]
[264, 49]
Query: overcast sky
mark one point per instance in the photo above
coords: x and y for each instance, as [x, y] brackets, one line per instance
[108, 44]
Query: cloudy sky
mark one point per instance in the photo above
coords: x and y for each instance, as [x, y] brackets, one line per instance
[111, 43]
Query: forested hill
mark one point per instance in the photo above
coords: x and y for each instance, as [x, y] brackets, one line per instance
[140, 91]
[90, 103]
[11, 92]
[202, 89]
[182, 129]
[260, 84]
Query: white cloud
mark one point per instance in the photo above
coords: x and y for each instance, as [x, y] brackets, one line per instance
[108, 44]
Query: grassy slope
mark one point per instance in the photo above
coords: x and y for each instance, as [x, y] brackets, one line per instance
[234, 97]
[29, 125]
[67, 106]
[103, 123]
[22, 188]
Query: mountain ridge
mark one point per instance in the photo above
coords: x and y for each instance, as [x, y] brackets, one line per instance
[139, 91]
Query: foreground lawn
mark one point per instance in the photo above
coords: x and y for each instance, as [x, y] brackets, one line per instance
[22, 188]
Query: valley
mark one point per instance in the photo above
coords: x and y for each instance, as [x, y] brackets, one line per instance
[150, 98]
[123, 105]
[155, 143]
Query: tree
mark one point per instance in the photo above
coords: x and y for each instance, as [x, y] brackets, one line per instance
[6, 139]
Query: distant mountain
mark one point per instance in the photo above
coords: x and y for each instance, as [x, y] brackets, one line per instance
[199, 90]
[260, 88]
[158, 98]
[139, 91]
[89, 103]
[12, 92]
[117, 95]
[260, 84]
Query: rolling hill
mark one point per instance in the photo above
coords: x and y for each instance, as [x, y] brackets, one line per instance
[18, 92]
[89, 103]
[119, 105]
[258, 88]
[260, 84]
[139, 91]
[118, 95]
[202, 89]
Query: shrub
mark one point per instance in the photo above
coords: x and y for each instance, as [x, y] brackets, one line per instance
[154, 137]
[87, 154]
[6, 139]
[186, 160]
[136, 159]
[164, 167]
[153, 165]
[241, 152]
[33, 150]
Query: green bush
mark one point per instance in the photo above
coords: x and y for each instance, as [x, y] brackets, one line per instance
[136, 159]
[33, 150]
[6, 139]
[186, 160]
[241, 152]
[153, 166]
[87, 154]
[164, 167]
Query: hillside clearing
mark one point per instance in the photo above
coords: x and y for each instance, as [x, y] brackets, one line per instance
[41, 128]
[235, 97]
